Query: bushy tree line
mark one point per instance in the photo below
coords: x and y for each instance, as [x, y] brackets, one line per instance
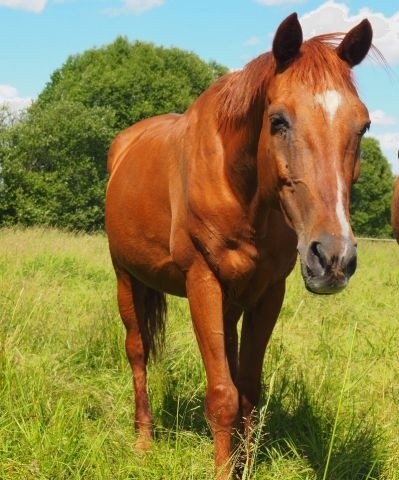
[372, 193]
[53, 166]
[53, 158]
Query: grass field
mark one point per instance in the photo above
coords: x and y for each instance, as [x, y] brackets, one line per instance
[331, 410]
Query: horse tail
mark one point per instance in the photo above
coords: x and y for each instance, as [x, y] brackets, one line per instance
[153, 329]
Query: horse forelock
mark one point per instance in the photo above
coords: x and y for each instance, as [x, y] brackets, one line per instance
[318, 68]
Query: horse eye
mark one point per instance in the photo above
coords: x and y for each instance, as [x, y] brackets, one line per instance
[364, 129]
[278, 124]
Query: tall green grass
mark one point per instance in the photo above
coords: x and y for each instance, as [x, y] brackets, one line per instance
[331, 376]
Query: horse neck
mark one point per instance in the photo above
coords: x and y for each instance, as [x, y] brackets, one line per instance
[250, 176]
[241, 146]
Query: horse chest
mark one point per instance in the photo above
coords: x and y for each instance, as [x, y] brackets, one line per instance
[247, 270]
[250, 269]
[272, 268]
[236, 263]
[246, 261]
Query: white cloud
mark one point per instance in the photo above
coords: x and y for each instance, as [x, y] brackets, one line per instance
[388, 141]
[7, 91]
[35, 6]
[135, 6]
[9, 96]
[379, 117]
[277, 2]
[252, 41]
[336, 17]
[139, 6]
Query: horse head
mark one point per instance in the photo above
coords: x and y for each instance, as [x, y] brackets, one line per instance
[312, 128]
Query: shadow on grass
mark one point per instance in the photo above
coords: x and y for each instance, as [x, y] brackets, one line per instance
[181, 412]
[298, 423]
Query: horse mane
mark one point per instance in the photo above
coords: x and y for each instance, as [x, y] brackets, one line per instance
[317, 66]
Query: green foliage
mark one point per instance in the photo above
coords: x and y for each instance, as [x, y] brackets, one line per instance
[53, 160]
[371, 195]
[135, 81]
[53, 166]
[7, 117]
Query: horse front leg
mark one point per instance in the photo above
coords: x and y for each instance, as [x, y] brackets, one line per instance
[231, 317]
[221, 401]
[257, 328]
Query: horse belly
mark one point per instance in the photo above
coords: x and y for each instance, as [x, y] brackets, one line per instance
[142, 250]
[163, 276]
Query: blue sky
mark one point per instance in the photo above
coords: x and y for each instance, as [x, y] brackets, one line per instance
[37, 36]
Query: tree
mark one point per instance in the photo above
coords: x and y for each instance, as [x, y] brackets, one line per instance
[53, 160]
[7, 117]
[53, 167]
[135, 80]
[371, 195]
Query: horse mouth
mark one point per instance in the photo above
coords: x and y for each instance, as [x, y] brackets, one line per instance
[325, 284]
[327, 263]
[323, 288]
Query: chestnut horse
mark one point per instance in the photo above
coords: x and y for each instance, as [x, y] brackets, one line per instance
[214, 205]
[395, 209]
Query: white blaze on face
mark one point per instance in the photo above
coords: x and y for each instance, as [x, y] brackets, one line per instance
[330, 100]
[340, 211]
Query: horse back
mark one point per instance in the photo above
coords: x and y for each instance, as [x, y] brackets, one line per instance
[126, 139]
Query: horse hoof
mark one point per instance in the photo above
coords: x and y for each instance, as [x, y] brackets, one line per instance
[142, 443]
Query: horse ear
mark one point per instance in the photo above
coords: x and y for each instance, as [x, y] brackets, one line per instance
[287, 41]
[356, 43]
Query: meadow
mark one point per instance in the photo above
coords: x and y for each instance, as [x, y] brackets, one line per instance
[330, 409]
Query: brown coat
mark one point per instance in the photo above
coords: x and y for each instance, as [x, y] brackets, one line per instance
[215, 203]
[395, 210]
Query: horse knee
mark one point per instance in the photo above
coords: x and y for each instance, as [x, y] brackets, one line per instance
[221, 405]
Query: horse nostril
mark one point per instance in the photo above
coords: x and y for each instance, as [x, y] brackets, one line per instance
[351, 266]
[317, 250]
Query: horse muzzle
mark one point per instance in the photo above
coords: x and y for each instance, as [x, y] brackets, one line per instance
[327, 263]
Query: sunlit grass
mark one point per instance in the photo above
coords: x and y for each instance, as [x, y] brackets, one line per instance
[330, 412]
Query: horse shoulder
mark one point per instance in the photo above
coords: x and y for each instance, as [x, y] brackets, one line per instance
[215, 221]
